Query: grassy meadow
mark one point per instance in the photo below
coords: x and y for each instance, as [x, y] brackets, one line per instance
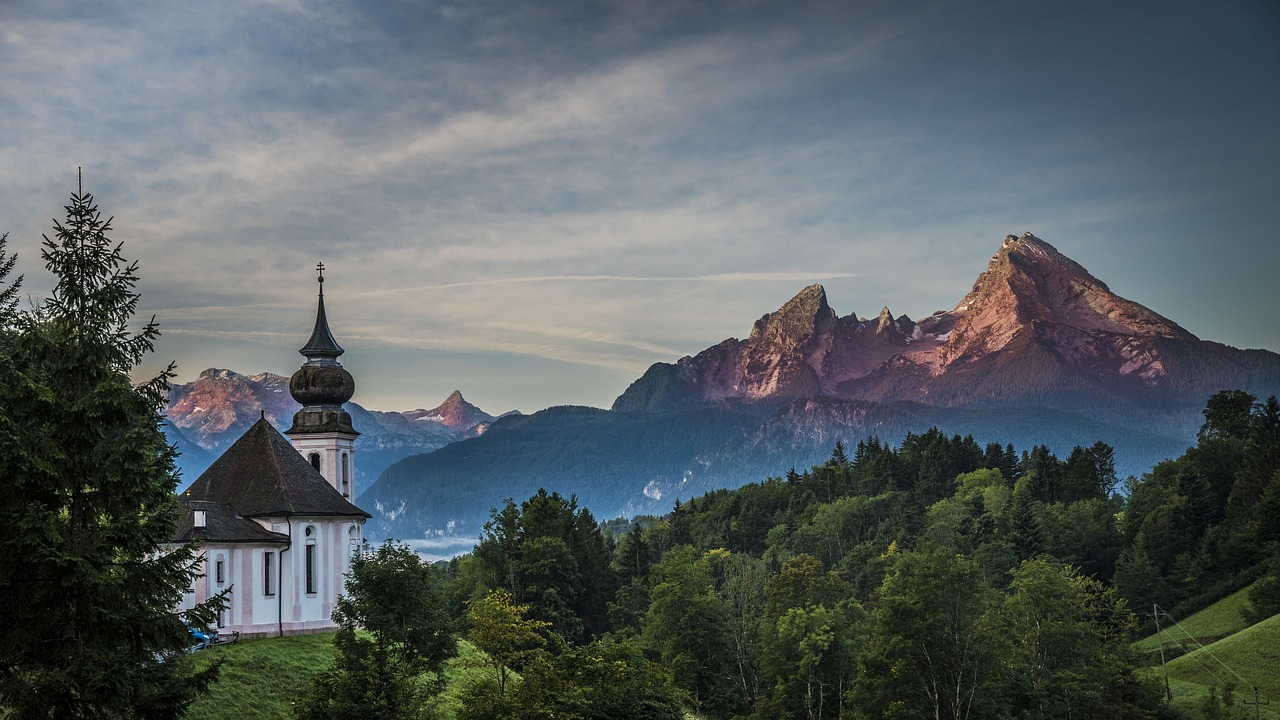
[1214, 649]
[263, 678]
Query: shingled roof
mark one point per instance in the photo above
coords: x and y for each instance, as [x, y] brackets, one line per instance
[262, 475]
[221, 525]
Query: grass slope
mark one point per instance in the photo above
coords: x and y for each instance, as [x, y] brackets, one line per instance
[1228, 645]
[262, 678]
[1249, 658]
[1211, 624]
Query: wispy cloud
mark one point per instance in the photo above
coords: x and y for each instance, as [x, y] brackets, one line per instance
[608, 189]
[740, 277]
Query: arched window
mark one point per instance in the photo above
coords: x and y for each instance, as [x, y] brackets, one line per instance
[315, 461]
[310, 561]
[346, 475]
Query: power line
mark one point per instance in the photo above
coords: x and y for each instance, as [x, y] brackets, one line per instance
[1257, 701]
[1205, 649]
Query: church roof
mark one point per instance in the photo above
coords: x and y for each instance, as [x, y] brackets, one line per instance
[221, 525]
[262, 475]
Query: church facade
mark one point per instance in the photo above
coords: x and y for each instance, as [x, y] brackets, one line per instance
[273, 517]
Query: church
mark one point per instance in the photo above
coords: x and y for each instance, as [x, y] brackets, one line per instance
[273, 517]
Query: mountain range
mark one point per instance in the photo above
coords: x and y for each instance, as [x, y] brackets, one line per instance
[1038, 352]
[205, 416]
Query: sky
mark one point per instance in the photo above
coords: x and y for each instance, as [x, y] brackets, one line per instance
[531, 202]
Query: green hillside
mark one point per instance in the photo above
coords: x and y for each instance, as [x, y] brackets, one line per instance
[1211, 624]
[262, 678]
[1245, 659]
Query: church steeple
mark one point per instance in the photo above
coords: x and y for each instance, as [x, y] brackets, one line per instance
[322, 429]
[321, 349]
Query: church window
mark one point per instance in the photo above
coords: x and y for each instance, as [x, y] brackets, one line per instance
[219, 575]
[222, 618]
[346, 475]
[311, 568]
[268, 573]
[315, 461]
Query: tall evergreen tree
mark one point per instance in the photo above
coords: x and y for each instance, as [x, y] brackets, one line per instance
[8, 289]
[89, 628]
[1024, 526]
[549, 554]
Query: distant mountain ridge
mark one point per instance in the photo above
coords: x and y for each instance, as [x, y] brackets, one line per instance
[208, 414]
[1038, 352]
[1036, 329]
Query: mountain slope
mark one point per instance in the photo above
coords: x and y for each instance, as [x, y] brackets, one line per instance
[613, 462]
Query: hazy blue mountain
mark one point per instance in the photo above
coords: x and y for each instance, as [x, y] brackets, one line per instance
[1038, 352]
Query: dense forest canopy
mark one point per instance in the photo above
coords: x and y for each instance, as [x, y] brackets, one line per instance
[937, 578]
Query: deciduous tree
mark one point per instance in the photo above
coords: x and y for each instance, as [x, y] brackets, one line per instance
[686, 625]
[1068, 653]
[932, 649]
[498, 627]
[392, 628]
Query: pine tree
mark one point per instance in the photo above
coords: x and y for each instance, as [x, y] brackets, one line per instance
[89, 628]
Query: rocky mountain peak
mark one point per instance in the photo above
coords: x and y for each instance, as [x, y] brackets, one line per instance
[211, 374]
[454, 412]
[884, 323]
[222, 402]
[1029, 281]
[796, 321]
[1035, 324]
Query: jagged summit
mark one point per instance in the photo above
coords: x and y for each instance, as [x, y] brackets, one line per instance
[800, 350]
[1028, 279]
[796, 321]
[1036, 328]
[454, 412]
[885, 322]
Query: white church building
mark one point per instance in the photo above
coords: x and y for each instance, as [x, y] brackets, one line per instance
[273, 517]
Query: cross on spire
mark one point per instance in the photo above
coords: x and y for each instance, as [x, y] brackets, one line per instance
[321, 349]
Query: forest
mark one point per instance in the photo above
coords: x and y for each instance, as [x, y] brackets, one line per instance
[938, 578]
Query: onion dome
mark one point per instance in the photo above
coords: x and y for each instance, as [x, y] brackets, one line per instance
[321, 385]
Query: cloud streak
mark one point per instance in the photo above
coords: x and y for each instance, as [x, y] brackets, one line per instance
[559, 190]
[737, 277]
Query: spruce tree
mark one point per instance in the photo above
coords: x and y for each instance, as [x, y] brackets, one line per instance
[89, 628]
[8, 288]
[1024, 526]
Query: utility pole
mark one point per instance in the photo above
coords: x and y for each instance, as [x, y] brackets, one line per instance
[1257, 704]
[1155, 613]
